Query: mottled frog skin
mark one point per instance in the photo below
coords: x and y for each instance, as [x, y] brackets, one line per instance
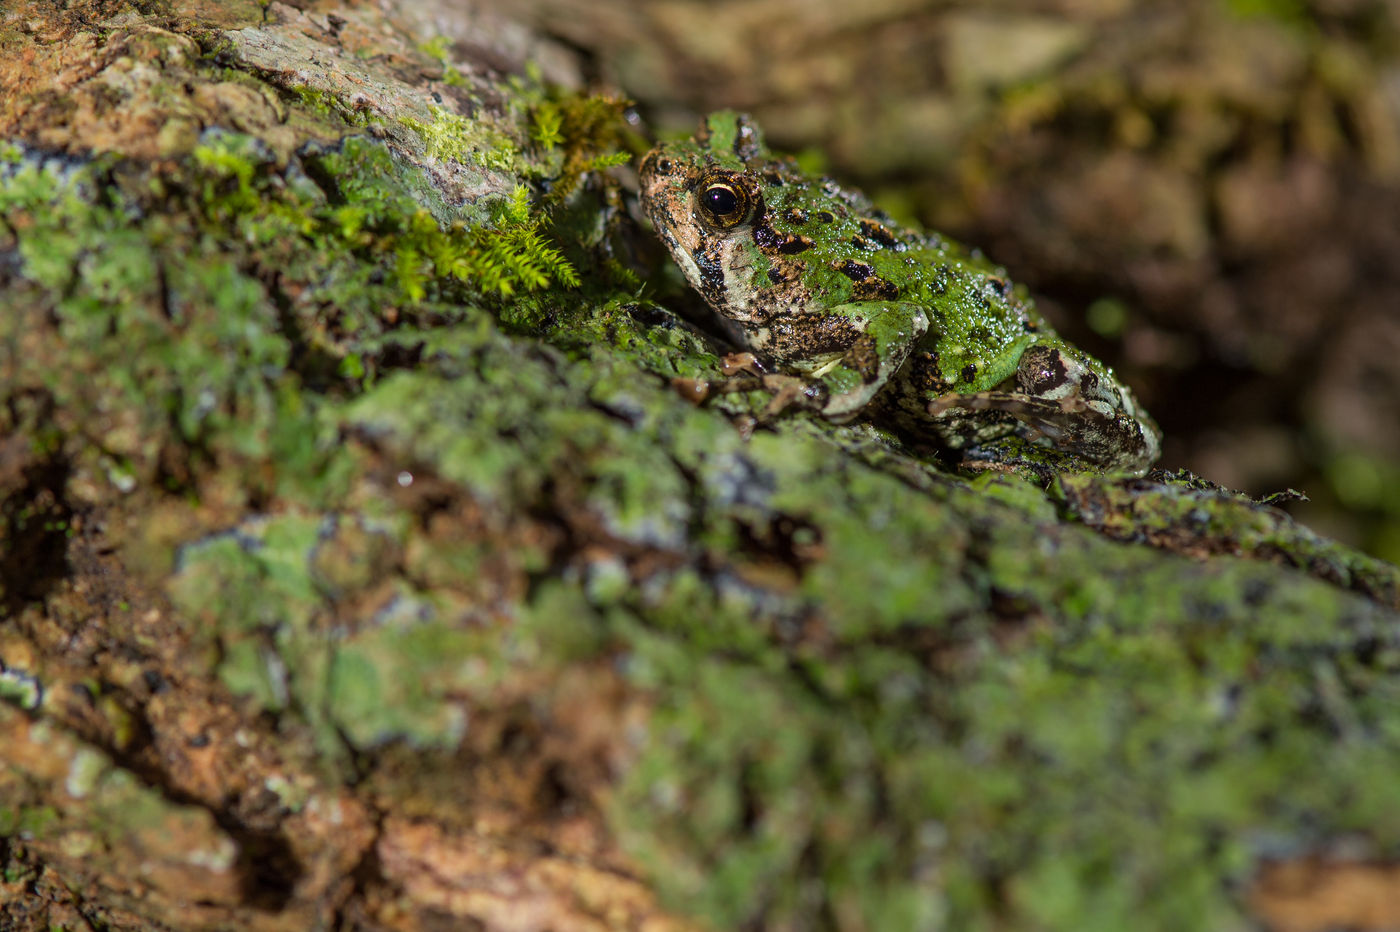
[879, 319]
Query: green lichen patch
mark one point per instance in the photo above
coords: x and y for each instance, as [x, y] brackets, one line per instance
[1049, 747]
[360, 659]
[1195, 518]
[459, 138]
[316, 275]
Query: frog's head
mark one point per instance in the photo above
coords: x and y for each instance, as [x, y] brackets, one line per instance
[727, 134]
[703, 197]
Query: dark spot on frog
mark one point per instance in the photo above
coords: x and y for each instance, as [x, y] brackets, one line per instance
[859, 243]
[875, 289]
[1041, 370]
[711, 277]
[868, 285]
[802, 336]
[1029, 325]
[879, 232]
[1000, 286]
[770, 240]
[663, 166]
[826, 216]
[926, 376]
[783, 271]
[863, 357]
[855, 271]
[773, 179]
[795, 215]
[968, 373]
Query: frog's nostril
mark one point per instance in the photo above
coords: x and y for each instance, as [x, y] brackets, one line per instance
[655, 166]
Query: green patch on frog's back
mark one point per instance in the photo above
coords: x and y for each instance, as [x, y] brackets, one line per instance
[852, 255]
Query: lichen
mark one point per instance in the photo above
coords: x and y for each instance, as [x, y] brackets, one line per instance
[399, 463]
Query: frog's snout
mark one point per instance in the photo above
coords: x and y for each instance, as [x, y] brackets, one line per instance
[654, 163]
[647, 173]
[657, 175]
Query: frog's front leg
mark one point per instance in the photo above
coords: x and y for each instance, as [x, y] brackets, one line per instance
[847, 353]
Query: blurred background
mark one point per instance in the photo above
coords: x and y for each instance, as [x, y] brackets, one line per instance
[1206, 193]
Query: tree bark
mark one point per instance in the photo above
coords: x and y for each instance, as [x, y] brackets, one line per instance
[362, 567]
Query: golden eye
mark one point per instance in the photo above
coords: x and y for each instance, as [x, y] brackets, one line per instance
[723, 203]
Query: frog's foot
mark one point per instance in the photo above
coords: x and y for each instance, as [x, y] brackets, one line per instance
[732, 364]
[694, 391]
[1090, 430]
[743, 372]
[789, 393]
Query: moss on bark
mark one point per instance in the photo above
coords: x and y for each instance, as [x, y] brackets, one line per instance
[354, 546]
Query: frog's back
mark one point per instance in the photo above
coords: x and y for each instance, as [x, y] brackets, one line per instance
[845, 250]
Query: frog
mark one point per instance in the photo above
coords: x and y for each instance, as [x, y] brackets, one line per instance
[845, 312]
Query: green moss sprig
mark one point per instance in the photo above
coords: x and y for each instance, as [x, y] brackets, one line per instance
[585, 132]
[569, 135]
[509, 256]
[439, 48]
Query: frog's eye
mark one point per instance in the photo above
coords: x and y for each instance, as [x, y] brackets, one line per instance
[723, 204]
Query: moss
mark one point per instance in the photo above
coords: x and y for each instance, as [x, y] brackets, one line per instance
[1180, 512]
[460, 138]
[932, 700]
[29, 821]
[326, 105]
[1288, 12]
[586, 129]
[438, 48]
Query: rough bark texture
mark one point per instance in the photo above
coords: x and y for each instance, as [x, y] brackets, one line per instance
[362, 570]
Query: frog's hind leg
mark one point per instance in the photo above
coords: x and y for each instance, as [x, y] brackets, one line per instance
[1070, 425]
[1053, 420]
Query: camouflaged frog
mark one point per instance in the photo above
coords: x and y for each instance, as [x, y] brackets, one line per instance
[879, 319]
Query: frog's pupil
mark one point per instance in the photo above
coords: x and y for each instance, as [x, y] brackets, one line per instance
[721, 200]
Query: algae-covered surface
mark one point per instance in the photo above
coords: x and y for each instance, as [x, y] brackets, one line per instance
[363, 567]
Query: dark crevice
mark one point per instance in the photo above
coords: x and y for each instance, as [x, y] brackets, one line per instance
[35, 518]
